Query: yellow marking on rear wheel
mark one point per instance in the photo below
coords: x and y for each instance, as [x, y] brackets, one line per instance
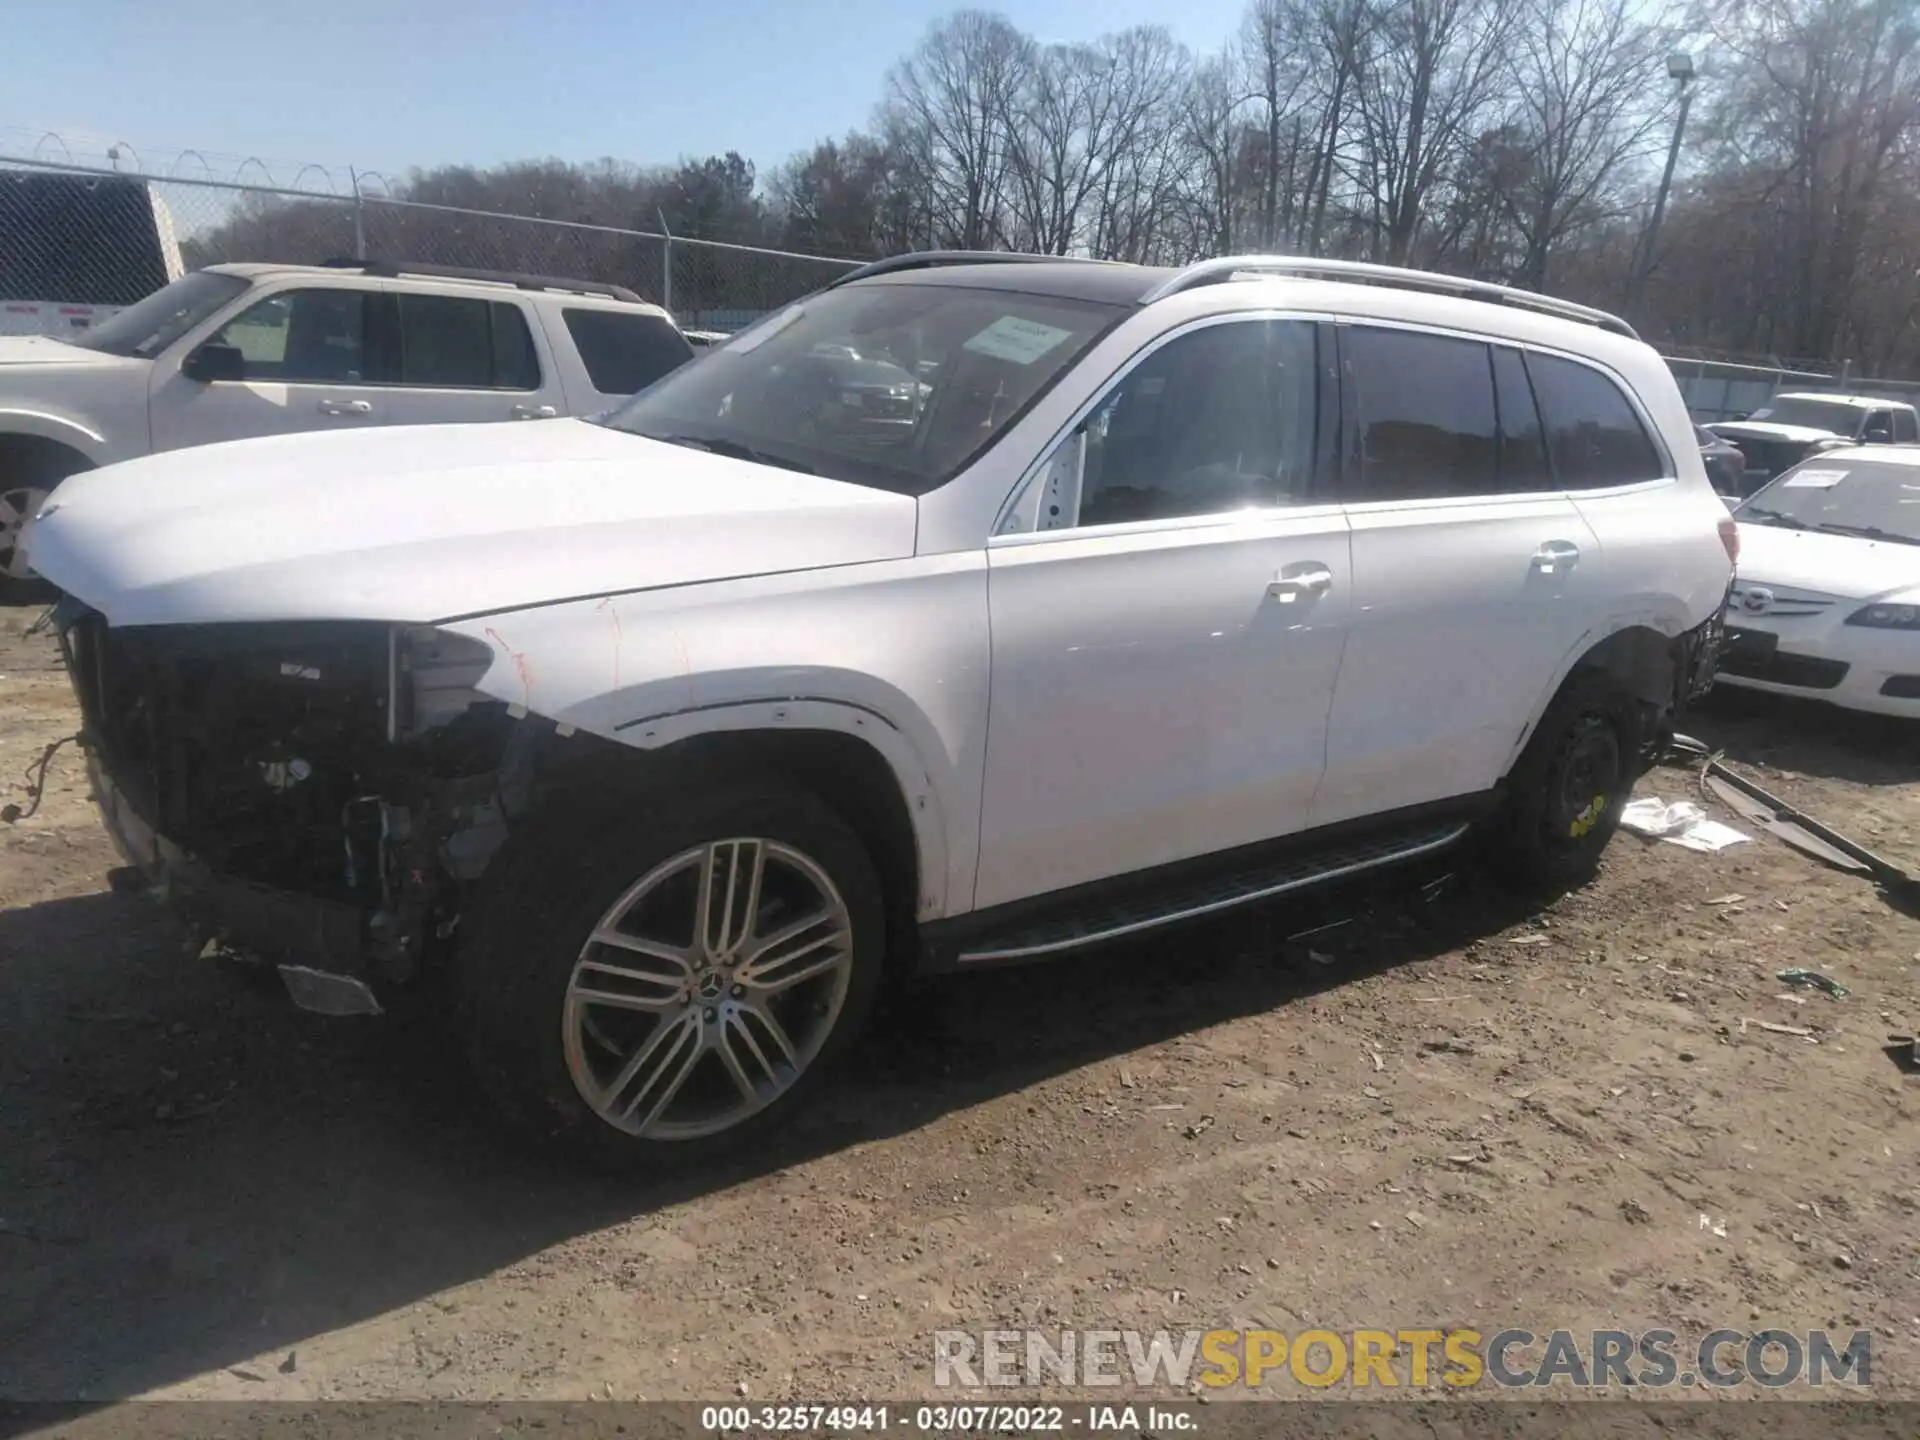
[1587, 818]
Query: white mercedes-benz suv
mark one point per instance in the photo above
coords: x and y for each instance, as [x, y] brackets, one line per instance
[664, 737]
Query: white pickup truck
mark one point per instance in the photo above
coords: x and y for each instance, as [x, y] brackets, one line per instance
[235, 352]
[1789, 428]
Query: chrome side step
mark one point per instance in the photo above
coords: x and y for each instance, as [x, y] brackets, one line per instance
[1216, 895]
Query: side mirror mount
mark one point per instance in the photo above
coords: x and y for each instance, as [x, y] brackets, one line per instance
[214, 361]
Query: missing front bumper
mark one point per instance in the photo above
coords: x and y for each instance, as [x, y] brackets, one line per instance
[318, 945]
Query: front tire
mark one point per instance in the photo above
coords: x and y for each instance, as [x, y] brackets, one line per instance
[662, 979]
[30, 470]
[1565, 795]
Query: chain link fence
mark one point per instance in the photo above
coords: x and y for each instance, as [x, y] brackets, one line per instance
[82, 241]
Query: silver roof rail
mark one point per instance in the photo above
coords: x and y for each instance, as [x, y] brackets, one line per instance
[1208, 272]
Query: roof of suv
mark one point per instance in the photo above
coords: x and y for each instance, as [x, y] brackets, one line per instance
[573, 289]
[1114, 283]
[1123, 283]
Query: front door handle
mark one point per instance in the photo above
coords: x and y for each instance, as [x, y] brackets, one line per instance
[533, 412]
[1300, 582]
[1555, 556]
[346, 407]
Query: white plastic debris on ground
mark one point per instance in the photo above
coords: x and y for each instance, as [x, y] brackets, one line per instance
[1681, 823]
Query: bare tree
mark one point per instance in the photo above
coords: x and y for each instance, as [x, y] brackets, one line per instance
[1210, 114]
[950, 106]
[1821, 116]
[1432, 76]
[1587, 87]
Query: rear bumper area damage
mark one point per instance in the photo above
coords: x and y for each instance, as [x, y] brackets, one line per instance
[1697, 656]
[314, 795]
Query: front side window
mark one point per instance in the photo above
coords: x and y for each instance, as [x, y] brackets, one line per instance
[1592, 431]
[1219, 419]
[148, 326]
[890, 384]
[625, 353]
[302, 336]
[1421, 409]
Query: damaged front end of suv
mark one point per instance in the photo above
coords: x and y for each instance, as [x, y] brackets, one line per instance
[315, 793]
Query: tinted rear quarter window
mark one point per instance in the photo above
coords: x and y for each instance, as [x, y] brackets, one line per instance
[1594, 435]
[1421, 408]
[625, 353]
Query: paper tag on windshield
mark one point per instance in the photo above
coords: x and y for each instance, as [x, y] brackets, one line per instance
[1813, 479]
[1021, 341]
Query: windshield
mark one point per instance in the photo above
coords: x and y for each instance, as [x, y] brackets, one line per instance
[145, 328]
[895, 386]
[1814, 414]
[1867, 498]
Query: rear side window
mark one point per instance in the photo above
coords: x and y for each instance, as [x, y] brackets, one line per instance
[451, 342]
[1421, 409]
[625, 353]
[1904, 426]
[1594, 435]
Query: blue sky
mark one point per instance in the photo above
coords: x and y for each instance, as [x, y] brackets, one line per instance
[423, 82]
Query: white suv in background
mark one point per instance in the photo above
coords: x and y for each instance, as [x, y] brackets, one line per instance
[663, 737]
[235, 351]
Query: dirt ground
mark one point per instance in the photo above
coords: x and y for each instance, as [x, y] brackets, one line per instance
[1464, 1114]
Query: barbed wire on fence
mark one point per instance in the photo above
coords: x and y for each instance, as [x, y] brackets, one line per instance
[81, 253]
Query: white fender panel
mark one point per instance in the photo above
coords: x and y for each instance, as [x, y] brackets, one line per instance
[894, 653]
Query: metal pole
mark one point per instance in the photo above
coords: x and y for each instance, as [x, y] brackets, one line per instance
[666, 263]
[1643, 265]
[359, 217]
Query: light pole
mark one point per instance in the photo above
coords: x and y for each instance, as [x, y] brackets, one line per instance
[1680, 68]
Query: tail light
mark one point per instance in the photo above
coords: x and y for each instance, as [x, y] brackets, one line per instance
[1730, 537]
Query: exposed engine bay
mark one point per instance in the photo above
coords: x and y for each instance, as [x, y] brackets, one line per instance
[350, 765]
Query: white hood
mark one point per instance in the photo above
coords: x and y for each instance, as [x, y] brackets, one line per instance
[424, 523]
[1840, 565]
[1767, 430]
[45, 350]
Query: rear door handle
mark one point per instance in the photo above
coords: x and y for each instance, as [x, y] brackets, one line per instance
[346, 407]
[533, 412]
[1300, 582]
[1556, 555]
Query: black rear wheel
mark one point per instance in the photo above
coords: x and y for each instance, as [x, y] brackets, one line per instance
[1572, 781]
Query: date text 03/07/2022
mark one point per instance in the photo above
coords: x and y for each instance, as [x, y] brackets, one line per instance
[946, 1419]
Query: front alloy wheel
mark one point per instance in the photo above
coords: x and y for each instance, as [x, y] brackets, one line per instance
[661, 975]
[707, 989]
[18, 505]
